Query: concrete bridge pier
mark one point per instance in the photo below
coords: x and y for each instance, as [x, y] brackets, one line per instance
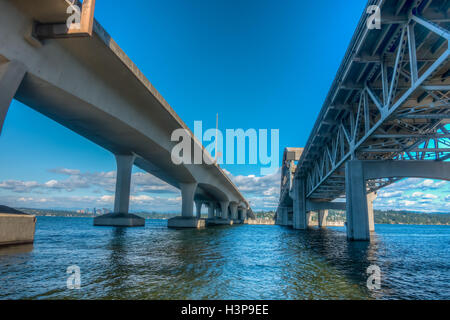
[234, 211]
[278, 218]
[187, 199]
[356, 204]
[360, 205]
[213, 213]
[224, 209]
[198, 207]
[282, 216]
[211, 208]
[322, 218]
[309, 218]
[217, 212]
[322, 209]
[120, 217]
[371, 197]
[221, 216]
[187, 219]
[242, 214]
[11, 76]
[300, 220]
[224, 217]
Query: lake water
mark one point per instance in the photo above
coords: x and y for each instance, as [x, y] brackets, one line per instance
[239, 262]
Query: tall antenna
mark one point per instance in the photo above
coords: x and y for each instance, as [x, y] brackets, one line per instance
[217, 134]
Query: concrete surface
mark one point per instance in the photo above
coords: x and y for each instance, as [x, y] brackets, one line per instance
[16, 228]
[217, 221]
[69, 81]
[119, 220]
[186, 222]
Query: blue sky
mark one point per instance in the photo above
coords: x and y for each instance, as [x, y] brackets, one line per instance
[259, 64]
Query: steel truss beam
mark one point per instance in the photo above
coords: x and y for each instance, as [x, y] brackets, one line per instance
[383, 116]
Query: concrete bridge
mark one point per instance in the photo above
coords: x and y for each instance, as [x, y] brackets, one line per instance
[84, 81]
[385, 118]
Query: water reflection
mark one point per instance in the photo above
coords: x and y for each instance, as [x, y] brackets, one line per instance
[118, 267]
[324, 265]
[16, 249]
[349, 258]
[239, 262]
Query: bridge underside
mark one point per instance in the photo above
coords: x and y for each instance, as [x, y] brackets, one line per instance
[91, 87]
[390, 101]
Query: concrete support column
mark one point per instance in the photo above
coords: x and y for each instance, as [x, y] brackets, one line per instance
[211, 207]
[11, 76]
[234, 213]
[217, 212]
[284, 216]
[299, 219]
[370, 199]
[355, 189]
[278, 216]
[224, 209]
[187, 198]
[198, 206]
[309, 218]
[187, 219]
[123, 183]
[322, 217]
[120, 217]
[244, 214]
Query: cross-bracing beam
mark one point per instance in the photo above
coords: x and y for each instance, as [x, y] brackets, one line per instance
[399, 110]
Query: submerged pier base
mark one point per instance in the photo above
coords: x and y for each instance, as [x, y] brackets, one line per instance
[186, 222]
[217, 221]
[16, 227]
[119, 220]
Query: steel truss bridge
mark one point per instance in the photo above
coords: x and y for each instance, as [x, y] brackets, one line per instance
[390, 100]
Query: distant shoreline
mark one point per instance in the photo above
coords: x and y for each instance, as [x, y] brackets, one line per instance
[334, 223]
[334, 216]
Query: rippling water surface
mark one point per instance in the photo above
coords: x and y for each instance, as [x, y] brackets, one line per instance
[239, 262]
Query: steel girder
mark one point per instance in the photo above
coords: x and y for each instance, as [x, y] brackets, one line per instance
[390, 98]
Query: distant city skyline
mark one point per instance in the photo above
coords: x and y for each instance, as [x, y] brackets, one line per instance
[205, 58]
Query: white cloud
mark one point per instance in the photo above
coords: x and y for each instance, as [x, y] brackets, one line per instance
[151, 194]
[425, 195]
[393, 194]
[432, 184]
[257, 185]
[141, 198]
[407, 202]
[271, 191]
[262, 192]
[76, 180]
[107, 199]
[19, 186]
[137, 203]
[65, 171]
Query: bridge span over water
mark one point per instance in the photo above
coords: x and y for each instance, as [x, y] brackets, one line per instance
[386, 117]
[85, 82]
